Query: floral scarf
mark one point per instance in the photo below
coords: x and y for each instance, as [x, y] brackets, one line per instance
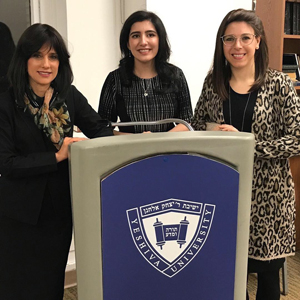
[50, 114]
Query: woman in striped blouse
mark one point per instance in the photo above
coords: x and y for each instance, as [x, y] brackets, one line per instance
[145, 87]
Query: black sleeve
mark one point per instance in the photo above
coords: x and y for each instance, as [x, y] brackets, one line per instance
[86, 118]
[107, 102]
[184, 100]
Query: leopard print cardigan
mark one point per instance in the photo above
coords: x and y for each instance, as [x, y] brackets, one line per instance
[276, 127]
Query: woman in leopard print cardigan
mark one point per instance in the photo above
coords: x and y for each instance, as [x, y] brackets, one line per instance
[242, 94]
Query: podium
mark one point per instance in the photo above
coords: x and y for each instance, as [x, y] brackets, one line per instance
[162, 215]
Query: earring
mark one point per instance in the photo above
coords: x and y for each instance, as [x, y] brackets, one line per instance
[129, 53]
[257, 47]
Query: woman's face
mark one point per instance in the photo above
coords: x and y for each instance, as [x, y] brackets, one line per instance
[244, 44]
[42, 69]
[143, 41]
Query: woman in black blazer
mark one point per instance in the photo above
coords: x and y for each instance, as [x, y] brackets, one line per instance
[37, 116]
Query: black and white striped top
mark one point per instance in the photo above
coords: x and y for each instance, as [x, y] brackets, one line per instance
[131, 104]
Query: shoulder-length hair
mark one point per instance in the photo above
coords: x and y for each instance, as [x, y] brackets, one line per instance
[164, 51]
[220, 72]
[31, 41]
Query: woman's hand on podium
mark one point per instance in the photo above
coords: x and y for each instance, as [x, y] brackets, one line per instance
[62, 154]
[226, 127]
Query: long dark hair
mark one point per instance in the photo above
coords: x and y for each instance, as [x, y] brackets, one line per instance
[166, 71]
[220, 72]
[31, 41]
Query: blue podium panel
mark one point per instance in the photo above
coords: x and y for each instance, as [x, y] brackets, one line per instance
[169, 225]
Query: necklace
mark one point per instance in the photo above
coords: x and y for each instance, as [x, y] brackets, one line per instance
[143, 84]
[246, 106]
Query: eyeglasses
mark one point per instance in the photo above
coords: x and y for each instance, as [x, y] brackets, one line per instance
[245, 39]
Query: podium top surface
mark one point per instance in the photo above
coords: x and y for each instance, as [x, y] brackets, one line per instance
[231, 147]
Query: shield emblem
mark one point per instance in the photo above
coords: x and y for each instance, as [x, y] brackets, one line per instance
[164, 218]
[170, 233]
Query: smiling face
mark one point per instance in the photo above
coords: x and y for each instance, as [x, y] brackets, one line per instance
[240, 55]
[143, 42]
[42, 69]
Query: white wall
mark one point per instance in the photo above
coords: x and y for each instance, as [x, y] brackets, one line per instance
[53, 13]
[93, 28]
[192, 27]
[130, 6]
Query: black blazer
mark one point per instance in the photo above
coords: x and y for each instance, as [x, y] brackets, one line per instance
[28, 164]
